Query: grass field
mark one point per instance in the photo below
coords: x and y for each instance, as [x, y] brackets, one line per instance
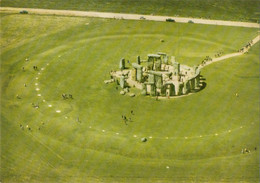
[241, 10]
[197, 138]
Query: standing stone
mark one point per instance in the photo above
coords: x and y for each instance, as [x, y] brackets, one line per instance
[139, 74]
[139, 71]
[144, 90]
[151, 78]
[133, 74]
[122, 64]
[192, 84]
[176, 68]
[122, 82]
[186, 87]
[138, 60]
[163, 90]
[157, 65]
[177, 89]
[153, 90]
[172, 90]
[172, 60]
[164, 57]
[181, 85]
[158, 81]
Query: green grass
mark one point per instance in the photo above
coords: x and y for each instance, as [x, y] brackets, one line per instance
[242, 10]
[80, 57]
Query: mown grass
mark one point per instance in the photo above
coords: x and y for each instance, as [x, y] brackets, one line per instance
[80, 53]
[242, 10]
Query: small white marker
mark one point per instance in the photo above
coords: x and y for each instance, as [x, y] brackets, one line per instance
[36, 84]
[44, 100]
[50, 105]
[135, 136]
[89, 126]
[103, 130]
[241, 126]
[167, 137]
[229, 131]
[39, 73]
[216, 134]
[66, 117]
[39, 95]
[200, 135]
[167, 167]
[58, 111]
[37, 89]
[47, 63]
[36, 78]
[150, 137]
[42, 69]
[117, 133]
[186, 137]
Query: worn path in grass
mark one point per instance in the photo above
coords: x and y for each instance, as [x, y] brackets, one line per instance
[128, 16]
[245, 50]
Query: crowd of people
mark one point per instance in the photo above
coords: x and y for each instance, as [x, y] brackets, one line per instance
[219, 54]
[205, 60]
[67, 96]
[246, 47]
[127, 119]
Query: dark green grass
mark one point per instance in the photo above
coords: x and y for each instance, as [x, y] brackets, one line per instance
[242, 10]
[80, 57]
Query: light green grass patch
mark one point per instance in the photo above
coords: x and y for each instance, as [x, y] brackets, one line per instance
[88, 139]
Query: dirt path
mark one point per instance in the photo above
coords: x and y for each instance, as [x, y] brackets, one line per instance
[245, 50]
[128, 16]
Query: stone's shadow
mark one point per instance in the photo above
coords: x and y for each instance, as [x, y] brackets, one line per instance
[202, 78]
[202, 83]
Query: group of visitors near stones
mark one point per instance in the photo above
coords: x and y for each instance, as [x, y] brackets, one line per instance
[127, 119]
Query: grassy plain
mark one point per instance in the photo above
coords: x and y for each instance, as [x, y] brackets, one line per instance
[241, 10]
[198, 137]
